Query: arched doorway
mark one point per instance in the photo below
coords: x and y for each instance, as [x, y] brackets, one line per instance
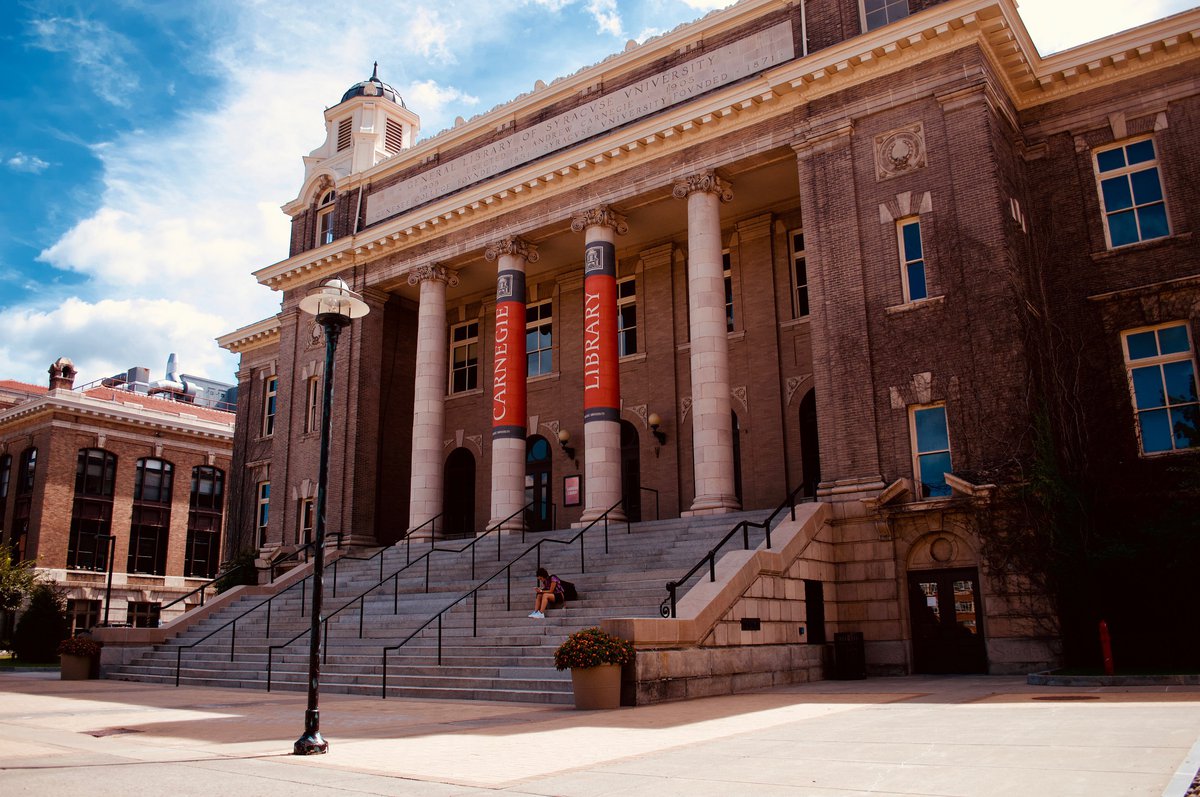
[631, 472]
[539, 485]
[458, 497]
[810, 448]
[737, 460]
[945, 606]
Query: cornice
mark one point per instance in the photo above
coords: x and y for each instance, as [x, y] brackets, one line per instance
[252, 336]
[96, 409]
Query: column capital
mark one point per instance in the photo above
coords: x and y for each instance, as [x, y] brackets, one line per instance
[433, 271]
[599, 216]
[512, 245]
[706, 181]
[824, 139]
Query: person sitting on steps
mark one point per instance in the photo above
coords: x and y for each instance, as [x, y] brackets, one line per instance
[550, 594]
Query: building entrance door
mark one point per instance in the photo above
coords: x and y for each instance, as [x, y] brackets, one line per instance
[631, 472]
[538, 485]
[946, 630]
[458, 496]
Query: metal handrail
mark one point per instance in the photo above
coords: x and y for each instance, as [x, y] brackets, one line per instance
[670, 603]
[203, 587]
[507, 570]
[395, 577]
[296, 554]
[657, 516]
[406, 539]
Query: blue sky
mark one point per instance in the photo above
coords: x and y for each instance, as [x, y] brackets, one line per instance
[146, 146]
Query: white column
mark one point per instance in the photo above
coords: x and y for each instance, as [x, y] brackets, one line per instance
[601, 370]
[429, 397]
[509, 417]
[712, 427]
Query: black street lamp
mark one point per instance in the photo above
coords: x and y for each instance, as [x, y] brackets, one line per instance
[334, 305]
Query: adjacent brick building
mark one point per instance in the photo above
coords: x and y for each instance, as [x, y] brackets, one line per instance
[865, 249]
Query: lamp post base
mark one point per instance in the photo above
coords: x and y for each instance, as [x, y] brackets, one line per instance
[310, 744]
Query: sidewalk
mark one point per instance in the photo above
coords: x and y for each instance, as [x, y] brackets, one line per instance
[899, 736]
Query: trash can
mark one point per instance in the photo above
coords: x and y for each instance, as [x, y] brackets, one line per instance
[849, 656]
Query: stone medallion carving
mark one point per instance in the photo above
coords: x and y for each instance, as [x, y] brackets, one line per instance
[899, 151]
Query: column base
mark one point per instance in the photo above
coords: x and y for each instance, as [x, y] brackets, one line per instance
[513, 526]
[617, 515]
[713, 505]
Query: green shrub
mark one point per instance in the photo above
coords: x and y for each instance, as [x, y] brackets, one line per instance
[42, 626]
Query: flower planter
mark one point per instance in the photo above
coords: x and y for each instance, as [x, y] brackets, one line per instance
[76, 668]
[597, 687]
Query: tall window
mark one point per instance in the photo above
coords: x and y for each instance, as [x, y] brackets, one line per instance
[912, 259]
[1162, 379]
[148, 533]
[264, 511]
[312, 403]
[325, 219]
[627, 335]
[727, 268]
[270, 398]
[931, 450]
[877, 13]
[5, 474]
[799, 275]
[1131, 193]
[464, 357]
[23, 505]
[143, 614]
[205, 507]
[307, 521]
[91, 512]
[83, 615]
[539, 338]
[27, 471]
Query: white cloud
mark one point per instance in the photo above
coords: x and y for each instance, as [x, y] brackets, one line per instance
[707, 5]
[608, 18]
[433, 100]
[430, 35]
[1056, 25]
[30, 164]
[97, 52]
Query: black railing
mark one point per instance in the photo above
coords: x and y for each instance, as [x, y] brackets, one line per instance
[473, 593]
[360, 599]
[670, 603]
[295, 555]
[203, 588]
[642, 489]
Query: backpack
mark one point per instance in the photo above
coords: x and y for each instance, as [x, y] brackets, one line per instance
[569, 592]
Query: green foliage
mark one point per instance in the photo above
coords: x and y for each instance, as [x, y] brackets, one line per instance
[238, 571]
[42, 626]
[592, 647]
[16, 579]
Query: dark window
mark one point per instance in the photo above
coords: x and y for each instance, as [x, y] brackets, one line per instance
[143, 614]
[91, 512]
[204, 522]
[148, 532]
[814, 601]
[5, 474]
[27, 471]
[83, 615]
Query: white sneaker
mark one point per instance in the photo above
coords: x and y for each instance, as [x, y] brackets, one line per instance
[537, 615]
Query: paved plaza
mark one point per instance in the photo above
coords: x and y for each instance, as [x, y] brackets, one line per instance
[903, 736]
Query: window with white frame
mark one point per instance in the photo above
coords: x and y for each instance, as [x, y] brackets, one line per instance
[1131, 193]
[307, 521]
[270, 398]
[799, 274]
[727, 269]
[912, 259]
[1162, 380]
[539, 338]
[325, 219]
[627, 326]
[464, 357]
[312, 403]
[931, 450]
[877, 13]
[264, 511]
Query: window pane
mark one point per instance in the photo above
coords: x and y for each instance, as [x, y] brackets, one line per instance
[1181, 381]
[912, 242]
[1142, 345]
[933, 475]
[1185, 423]
[1116, 193]
[1153, 220]
[916, 281]
[1122, 227]
[1146, 186]
[1148, 388]
[1172, 340]
[931, 429]
[1112, 159]
[531, 338]
[876, 19]
[1141, 151]
[1156, 431]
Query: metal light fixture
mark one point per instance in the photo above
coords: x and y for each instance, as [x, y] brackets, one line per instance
[334, 305]
[655, 421]
[564, 438]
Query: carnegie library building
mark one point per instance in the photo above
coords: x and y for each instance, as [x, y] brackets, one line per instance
[877, 259]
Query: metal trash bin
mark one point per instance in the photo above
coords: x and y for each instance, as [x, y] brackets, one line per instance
[849, 656]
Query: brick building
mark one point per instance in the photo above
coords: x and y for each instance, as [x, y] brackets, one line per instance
[855, 247]
[85, 472]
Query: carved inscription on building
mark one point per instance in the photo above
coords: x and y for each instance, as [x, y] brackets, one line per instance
[720, 67]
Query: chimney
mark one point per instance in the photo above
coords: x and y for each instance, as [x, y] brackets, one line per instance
[62, 374]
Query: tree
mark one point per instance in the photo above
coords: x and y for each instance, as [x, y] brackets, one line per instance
[16, 579]
[42, 626]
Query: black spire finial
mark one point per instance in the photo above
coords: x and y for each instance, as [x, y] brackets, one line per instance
[375, 72]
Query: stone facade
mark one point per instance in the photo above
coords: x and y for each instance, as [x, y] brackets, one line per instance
[870, 233]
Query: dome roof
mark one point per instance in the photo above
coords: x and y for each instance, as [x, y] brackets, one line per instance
[373, 87]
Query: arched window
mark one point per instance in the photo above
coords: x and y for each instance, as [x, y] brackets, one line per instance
[151, 517]
[205, 509]
[539, 489]
[91, 513]
[325, 218]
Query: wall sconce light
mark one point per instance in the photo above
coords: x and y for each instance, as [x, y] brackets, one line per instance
[564, 440]
[656, 422]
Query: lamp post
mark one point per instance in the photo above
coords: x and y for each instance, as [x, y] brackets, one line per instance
[334, 305]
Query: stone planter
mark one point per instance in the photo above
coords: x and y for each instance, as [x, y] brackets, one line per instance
[597, 687]
[77, 668]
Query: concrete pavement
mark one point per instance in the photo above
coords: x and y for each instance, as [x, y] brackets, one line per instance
[883, 736]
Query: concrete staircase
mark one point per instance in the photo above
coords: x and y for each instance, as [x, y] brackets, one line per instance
[511, 657]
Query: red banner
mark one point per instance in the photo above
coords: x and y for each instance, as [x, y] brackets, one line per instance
[601, 374]
[508, 382]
